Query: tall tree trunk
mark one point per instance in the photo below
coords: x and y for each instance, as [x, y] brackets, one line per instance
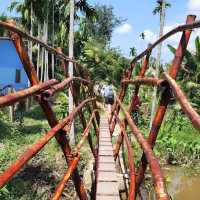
[30, 52]
[38, 53]
[46, 52]
[42, 65]
[42, 53]
[162, 22]
[71, 55]
[11, 107]
[47, 60]
[53, 34]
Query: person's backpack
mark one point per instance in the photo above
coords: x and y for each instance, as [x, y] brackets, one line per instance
[110, 92]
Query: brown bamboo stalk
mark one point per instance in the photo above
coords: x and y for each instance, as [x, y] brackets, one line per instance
[160, 188]
[185, 105]
[18, 96]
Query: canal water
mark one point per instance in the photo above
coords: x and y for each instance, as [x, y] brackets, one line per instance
[183, 183]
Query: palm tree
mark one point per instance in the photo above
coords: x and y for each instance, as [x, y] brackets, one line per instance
[31, 12]
[53, 16]
[3, 17]
[159, 9]
[71, 55]
[133, 51]
[53, 38]
[142, 36]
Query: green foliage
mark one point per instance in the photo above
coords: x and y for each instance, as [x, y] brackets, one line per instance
[189, 76]
[92, 46]
[61, 105]
[104, 64]
[42, 11]
[3, 17]
[178, 141]
[38, 172]
[100, 27]
[133, 52]
[4, 193]
[158, 7]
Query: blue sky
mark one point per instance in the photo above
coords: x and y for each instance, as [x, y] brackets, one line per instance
[139, 18]
[3, 6]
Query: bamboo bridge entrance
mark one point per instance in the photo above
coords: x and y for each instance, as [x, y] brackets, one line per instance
[106, 150]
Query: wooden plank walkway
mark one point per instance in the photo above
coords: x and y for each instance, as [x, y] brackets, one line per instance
[107, 186]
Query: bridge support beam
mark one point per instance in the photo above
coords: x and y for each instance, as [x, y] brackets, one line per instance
[61, 136]
[165, 98]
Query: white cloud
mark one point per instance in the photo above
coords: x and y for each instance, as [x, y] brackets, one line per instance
[124, 28]
[168, 28]
[194, 6]
[174, 38]
[195, 33]
[150, 36]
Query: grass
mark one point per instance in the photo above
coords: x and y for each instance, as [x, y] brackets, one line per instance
[179, 142]
[38, 178]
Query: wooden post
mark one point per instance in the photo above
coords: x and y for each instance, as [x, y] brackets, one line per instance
[61, 135]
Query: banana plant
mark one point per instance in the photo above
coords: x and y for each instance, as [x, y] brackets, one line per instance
[189, 76]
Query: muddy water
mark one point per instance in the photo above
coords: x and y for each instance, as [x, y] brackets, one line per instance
[183, 184]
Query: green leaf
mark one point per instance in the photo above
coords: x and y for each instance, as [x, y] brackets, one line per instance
[171, 48]
[4, 191]
[197, 45]
[13, 5]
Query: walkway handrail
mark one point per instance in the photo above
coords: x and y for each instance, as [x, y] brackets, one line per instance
[177, 29]
[169, 86]
[132, 175]
[35, 148]
[63, 85]
[190, 22]
[14, 97]
[151, 81]
[10, 25]
[190, 25]
[160, 188]
[58, 128]
[74, 164]
[86, 133]
[47, 89]
[182, 99]
[23, 34]
[165, 98]
[61, 186]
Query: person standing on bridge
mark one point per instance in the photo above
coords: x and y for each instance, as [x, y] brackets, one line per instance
[109, 94]
[109, 97]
